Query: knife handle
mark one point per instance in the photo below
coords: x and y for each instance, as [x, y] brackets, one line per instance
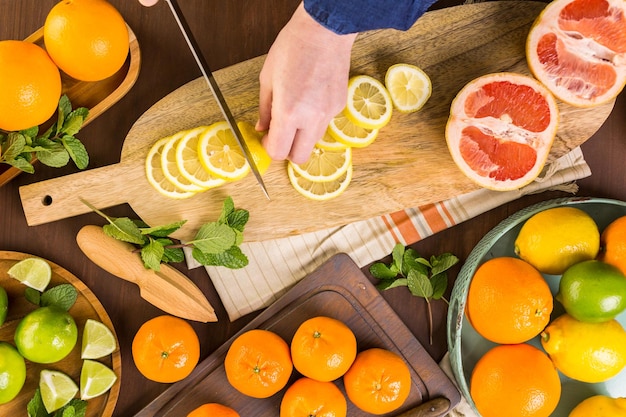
[431, 408]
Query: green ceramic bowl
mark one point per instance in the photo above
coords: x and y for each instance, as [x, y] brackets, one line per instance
[466, 346]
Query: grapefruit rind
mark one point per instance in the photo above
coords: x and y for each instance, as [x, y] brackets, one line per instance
[584, 57]
[530, 148]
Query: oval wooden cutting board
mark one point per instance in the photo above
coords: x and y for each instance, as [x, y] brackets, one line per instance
[407, 166]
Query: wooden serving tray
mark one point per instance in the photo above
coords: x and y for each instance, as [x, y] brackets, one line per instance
[337, 289]
[97, 96]
[87, 306]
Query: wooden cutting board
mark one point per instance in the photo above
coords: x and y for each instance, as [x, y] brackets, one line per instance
[407, 166]
[337, 289]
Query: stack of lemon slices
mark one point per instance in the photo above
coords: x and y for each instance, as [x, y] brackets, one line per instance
[369, 107]
[205, 157]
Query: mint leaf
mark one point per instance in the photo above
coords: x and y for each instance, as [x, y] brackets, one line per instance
[171, 253]
[440, 285]
[32, 296]
[35, 407]
[419, 284]
[53, 155]
[163, 231]
[214, 238]
[238, 219]
[227, 208]
[76, 150]
[232, 258]
[63, 296]
[151, 255]
[21, 164]
[13, 146]
[74, 121]
[124, 229]
[382, 271]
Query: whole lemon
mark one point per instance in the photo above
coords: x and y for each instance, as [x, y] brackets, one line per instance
[12, 372]
[46, 335]
[557, 238]
[592, 291]
[587, 352]
[600, 406]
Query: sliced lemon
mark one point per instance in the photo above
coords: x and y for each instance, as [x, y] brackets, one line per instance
[155, 175]
[346, 132]
[95, 379]
[409, 87]
[319, 190]
[261, 158]
[57, 389]
[324, 165]
[188, 162]
[169, 164]
[329, 143]
[32, 272]
[369, 103]
[220, 154]
[98, 340]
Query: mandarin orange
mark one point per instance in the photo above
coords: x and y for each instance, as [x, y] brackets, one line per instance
[166, 349]
[508, 301]
[613, 244]
[213, 410]
[378, 382]
[310, 398]
[258, 363]
[323, 348]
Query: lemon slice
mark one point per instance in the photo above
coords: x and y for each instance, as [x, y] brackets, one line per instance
[188, 162]
[32, 272]
[346, 132]
[320, 190]
[369, 103]
[261, 158]
[409, 87]
[220, 154]
[329, 143]
[95, 379]
[57, 389]
[98, 340]
[324, 165]
[169, 164]
[155, 174]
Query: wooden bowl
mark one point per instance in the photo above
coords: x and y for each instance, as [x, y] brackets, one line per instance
[97, 96]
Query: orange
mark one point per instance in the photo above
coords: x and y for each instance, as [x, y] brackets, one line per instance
[30, 85]
[378, 382]
[323, 348]
[310, 398]
[213, 410]
[577, 49]
[87, 39]
[258, 363]
[613, 244]
[166, 349]
[500, 130]
[508, 301]
[515, 381]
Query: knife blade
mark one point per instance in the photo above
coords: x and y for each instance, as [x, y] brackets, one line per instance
[215, 89]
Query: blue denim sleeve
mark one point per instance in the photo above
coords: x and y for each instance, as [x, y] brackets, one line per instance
[352, 16]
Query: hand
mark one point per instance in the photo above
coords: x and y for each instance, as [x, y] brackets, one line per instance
[303, 85]
[148, 2]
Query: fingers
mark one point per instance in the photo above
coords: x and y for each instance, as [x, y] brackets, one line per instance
[148, 3]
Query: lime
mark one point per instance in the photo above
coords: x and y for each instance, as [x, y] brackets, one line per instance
[33, 272]
[46, 335]
[95, 379]
[4, 305]
[600, 406]
[57, 389]
[592, 291]
[12, 372]
[98, 340]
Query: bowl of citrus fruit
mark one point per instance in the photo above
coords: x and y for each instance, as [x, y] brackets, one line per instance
[537, 319]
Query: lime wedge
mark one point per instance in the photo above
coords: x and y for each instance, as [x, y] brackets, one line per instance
[57, 389]
[4, 305]
[98, 340]
[95, 379]
[33, 272]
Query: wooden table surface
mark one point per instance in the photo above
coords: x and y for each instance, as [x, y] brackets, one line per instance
[229, 32]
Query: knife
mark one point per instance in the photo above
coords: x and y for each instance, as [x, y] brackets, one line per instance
[432, 408]
[168, 289]
[215, 89]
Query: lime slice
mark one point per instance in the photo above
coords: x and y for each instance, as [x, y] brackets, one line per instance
[57, 389]
[95, 379]
[33, 272]
[98, 340]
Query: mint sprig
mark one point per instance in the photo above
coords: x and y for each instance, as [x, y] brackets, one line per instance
[426, 278]
[55, 147]
[75, 408]
[215, 243]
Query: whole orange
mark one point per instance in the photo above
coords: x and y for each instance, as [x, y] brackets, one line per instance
[515, 381]
[30, 85]
[613, 244]
[307, 397]
[378, 382]
[323, 348]
[258, 363]
[508, 301]
[87, 39]
[166, 349]
[213, 410]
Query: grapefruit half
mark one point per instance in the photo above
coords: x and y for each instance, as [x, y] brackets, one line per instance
[501, 128]
[577, 49]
